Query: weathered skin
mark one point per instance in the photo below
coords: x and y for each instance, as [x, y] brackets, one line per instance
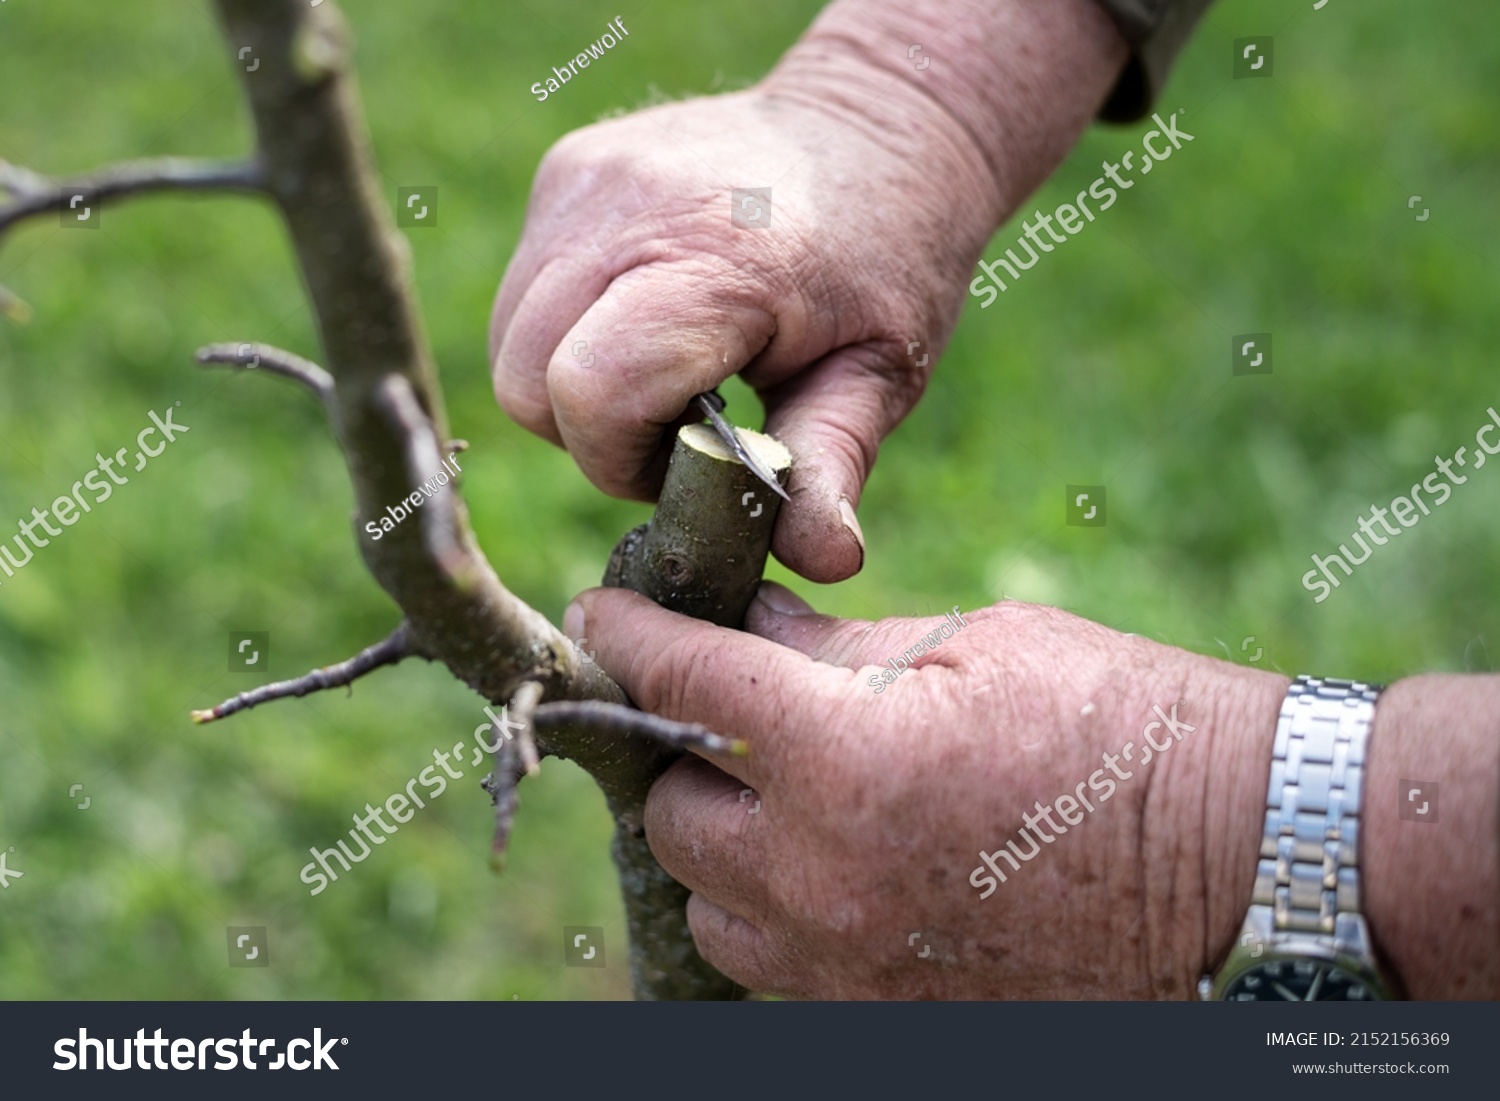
[887, 181]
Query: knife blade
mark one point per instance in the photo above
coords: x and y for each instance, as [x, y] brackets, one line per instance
[713, 404]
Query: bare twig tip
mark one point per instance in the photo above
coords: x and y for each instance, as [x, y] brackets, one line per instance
[33, 195]
[250, 355]
[616, 719]
[388, 651]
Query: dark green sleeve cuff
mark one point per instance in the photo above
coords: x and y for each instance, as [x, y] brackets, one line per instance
[1156, 30]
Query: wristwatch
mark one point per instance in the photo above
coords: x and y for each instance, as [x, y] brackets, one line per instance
[1305, 938]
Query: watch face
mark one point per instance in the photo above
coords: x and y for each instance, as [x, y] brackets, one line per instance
[1301, 980]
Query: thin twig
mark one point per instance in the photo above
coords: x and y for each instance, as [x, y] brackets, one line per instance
[33, 195]
[617, 719]
[522, 707]
[386, 652]
[514, 757]
[502, 788]
[21, 181]
[423, 461]
[275, 360]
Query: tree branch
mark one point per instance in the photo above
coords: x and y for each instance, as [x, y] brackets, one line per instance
[394, 648]
[33, 195]
[313, 160]
[19, 180]
[522, 707]
[502, 785]
[514, 757]
[424, 462]
[386, 404]
[611, 718]
[273, 360]
[705, 550]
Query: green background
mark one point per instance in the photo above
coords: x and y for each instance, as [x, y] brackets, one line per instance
[1109, 363]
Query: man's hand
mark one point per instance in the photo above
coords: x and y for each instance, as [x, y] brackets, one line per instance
[630, 257]
[1139, 773]
[632, 289]
[852, 876]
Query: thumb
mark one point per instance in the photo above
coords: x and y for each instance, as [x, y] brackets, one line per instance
[833, 417]
[780, 615]
[783, 617]
[658, 335]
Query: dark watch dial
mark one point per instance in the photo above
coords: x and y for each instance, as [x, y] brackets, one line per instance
[1299, 981]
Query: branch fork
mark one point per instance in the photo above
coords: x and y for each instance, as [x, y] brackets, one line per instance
[703, 554]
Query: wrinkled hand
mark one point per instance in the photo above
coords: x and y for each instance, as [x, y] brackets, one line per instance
[631, 290]
[859, 875]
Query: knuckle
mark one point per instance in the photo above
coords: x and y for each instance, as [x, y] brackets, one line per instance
[738, 949]
[565, 157]
[670, 676]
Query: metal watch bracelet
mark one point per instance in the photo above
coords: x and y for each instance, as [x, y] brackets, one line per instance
[1307, 884]
[1309, 852]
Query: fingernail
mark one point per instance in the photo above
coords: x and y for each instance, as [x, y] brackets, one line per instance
[846, 513]
[782, 600]
[573, 621]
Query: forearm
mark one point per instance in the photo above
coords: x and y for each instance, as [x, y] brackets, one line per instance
[1010, 84]
[1432, 883]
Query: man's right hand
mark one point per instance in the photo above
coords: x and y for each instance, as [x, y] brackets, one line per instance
[632, 289]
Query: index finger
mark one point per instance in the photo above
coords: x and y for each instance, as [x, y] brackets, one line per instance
[736, 684]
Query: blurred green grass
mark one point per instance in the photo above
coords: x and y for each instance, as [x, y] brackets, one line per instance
[1106, 364]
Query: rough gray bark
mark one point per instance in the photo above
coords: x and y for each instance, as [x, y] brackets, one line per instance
[313, 161]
